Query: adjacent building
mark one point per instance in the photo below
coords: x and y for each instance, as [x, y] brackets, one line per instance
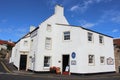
[117, 54]
[57, 43]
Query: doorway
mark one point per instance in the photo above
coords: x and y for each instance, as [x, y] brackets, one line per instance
[65, 62]
[119, 69]
[23, 62]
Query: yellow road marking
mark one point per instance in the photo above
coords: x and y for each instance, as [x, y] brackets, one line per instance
[5, 67]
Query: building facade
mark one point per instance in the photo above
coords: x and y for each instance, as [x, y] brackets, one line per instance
[20, 53]
[56, 43]
[117, 54]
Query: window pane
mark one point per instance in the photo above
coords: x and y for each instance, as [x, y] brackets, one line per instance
[102, 59]
[47, 61]
[25, 43]
[91, 58]
[90, 35]
[100, 39]
[67, 35]
[48, 43]
[48, 27]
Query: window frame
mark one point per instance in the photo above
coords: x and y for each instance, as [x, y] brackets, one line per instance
[48, 47]
[90, 36]
[47, 62]
[103, 60]
[25, 43]
[66, 35]
[49, 28]
[93, 60]
[101, 39]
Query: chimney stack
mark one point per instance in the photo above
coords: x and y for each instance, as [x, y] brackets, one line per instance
[59, 10]
[32, 28]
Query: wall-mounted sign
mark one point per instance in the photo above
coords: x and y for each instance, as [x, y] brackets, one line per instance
[110, 61]
[73, 62]
[73, 55]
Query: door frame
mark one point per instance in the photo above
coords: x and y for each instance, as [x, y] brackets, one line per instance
[68, 62]
[25, 61]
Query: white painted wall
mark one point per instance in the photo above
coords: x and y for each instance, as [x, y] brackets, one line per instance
[20, 49]
[77, 44]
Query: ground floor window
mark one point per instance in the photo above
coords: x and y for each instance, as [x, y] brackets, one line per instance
[47, 61]
[91, 59]
[102, 60]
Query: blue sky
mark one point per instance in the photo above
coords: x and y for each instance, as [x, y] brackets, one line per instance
[16, 16]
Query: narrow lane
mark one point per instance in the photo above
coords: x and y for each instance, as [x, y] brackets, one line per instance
[2, 69]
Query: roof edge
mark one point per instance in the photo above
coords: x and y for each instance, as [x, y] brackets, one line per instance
[85, 29]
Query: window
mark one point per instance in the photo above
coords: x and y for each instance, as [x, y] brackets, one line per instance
[48, 27]
[67, 35]
[90, 36]
[25, 43]
[47, 61]
[91, 59]
[48, 43]
[102, 59]
[100, 39]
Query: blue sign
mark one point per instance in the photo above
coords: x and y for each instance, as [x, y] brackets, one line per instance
[73, 55]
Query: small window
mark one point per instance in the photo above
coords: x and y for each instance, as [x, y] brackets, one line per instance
[48, 43]
[91, 59]
[90, 36]
[102, 59]
[25, 43]
[47, 61]
[67, 35]
[49, 27]
[101, 39]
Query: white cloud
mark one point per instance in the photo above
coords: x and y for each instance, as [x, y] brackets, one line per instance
[3, 21]
[19, 32]
[115, 30]
[111, 15]
[116, 18]
[74, 8]
[86, 24]
[82, 7]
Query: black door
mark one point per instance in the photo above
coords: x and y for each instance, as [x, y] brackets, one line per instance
[23, 61]
[65, 62]
[119, 69]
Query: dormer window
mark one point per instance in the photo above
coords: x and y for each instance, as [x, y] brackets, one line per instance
[25, 43]
[49, 28]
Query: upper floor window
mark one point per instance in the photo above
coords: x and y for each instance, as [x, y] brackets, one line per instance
[90, 36]
[91, 59]
[49, 28]
[25, 43]
[67, 35]
[101, 39]
[48, 43]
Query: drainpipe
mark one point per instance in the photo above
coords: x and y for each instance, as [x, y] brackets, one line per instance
[34, 62]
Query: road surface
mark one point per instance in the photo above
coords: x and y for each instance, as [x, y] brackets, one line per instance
[5, 74]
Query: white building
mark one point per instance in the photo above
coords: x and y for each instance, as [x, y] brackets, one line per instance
[56, 43]
[20, 52]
